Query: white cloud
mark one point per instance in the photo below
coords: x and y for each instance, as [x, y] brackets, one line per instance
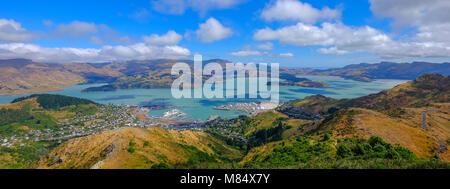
[213, 30]
[300, 35]
[77, 29]
[97, 33]
[265, 46]
[340, 39]
[139, 51]
[12, 31]
[428, 21]
[438, 33]
[286, 55]
[170, 38]
[178, 7]
[412, 12]
[248, 52]
[294, 10]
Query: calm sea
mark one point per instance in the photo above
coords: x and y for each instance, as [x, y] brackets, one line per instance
[204, 108]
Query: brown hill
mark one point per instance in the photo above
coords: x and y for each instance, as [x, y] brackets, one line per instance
[414, 114]
[20, 76]
[138, 148]
[421, 92]
[407, 131]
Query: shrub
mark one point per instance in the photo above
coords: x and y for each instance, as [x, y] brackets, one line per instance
[131, 149]
[375, 140]
[326, 137]
[344, 151]
[161, 166]
[405, 153]
[379, 151]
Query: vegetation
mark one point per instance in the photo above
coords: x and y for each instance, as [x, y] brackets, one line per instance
[319, 151]
[8, 116]
[267, 135]
[55, 101]
[26, 118]
[131, 146]
[382, 131]
[24, 156]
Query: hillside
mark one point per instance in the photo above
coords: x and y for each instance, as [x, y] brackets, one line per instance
[385, 70]
[321, 151]
[132, 148]
[28, 123]
[414, 114]
[423, 91]
[21, 76]
[366, 123]
[403, 127]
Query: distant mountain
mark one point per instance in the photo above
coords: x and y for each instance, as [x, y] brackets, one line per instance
[21, 76]
[423, 91]
[404, 127]
[386, 70]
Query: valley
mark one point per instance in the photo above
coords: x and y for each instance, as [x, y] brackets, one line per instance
[22, 76]
[376, 131]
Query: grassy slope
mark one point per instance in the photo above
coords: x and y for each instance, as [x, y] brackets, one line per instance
[140, 148]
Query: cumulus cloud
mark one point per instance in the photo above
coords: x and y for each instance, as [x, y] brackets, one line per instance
[170, 38]
[294, 10]
[437, 33]
[138, 51]
[178, 7]
[265, 46]
[12, 31]
[412, 12]
[336, 38]
[429, 21]
[155, 46]
[212, 30]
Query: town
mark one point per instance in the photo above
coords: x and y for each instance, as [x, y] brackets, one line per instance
[108, 118]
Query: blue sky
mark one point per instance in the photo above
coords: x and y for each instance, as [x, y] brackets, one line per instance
[307, 33]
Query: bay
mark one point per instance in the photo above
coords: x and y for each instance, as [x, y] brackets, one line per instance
[203, 108]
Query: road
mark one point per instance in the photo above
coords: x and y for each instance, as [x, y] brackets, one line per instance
[424, 118]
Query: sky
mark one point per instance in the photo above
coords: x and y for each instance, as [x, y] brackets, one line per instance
[294, 33]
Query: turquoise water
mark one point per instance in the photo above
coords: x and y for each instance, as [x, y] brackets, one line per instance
[204, 108]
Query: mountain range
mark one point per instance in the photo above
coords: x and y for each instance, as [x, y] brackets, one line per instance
[22, 76]
[403, 127]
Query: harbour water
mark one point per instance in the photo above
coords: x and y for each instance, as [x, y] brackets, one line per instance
[203, 108]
